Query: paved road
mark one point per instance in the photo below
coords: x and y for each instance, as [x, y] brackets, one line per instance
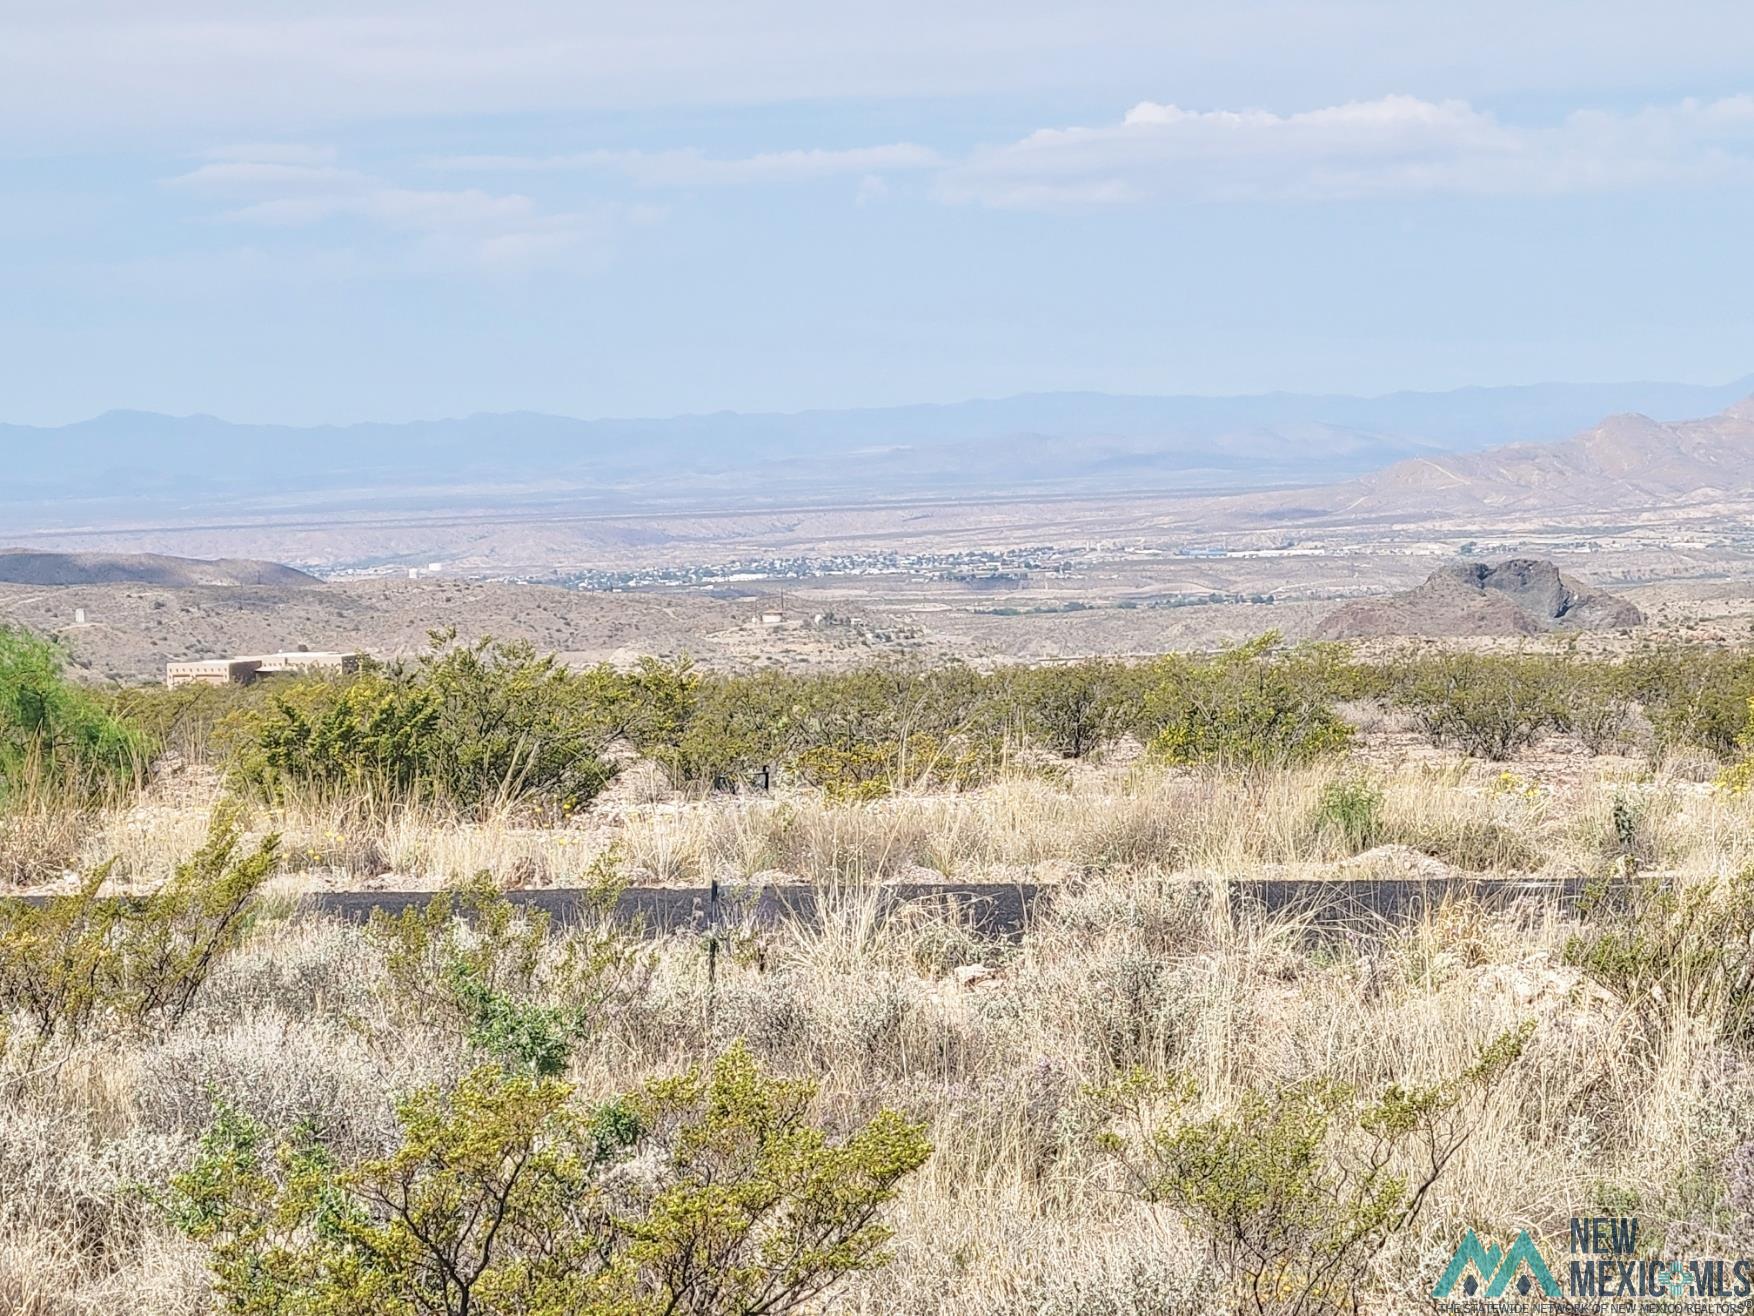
[991, 910]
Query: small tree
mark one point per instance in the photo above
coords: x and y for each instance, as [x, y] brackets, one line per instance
[507, 1197]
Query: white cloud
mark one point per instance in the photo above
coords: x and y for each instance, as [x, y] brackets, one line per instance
[692, 168]
[1394, 146]
[437, 229]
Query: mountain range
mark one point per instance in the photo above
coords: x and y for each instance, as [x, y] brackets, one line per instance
[1082, 442]
[1625, 463]
[23, 566]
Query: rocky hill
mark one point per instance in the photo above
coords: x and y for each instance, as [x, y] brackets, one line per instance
[25, 566]
[1519, 597]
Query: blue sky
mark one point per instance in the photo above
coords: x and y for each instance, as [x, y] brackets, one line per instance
[368, 210]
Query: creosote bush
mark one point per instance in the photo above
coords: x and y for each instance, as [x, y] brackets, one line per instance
[83, 961]
[1250, 706]
[469, 726]
[1295, 1191]
[1487, 705]
[711, 1193]
[477, 727]
[1695, 696]
[473, 965]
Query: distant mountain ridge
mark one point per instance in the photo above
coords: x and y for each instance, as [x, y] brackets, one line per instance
[1076, 441]
[1626, 462]
[25, 566]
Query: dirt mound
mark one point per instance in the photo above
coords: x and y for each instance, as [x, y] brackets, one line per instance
[1523, 596]
[25, 566]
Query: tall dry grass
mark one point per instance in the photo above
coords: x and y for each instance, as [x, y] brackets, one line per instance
[1144, 958]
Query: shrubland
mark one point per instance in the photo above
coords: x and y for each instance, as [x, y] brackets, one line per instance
[478, 727]
[1161, 1095]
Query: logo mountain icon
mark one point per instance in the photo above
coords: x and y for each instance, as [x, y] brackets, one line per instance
[1495, 1270]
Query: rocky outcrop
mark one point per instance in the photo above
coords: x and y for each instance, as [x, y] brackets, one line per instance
[1523, 596]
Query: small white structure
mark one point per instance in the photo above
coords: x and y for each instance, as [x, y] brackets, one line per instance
[79, 616]
[772, 618]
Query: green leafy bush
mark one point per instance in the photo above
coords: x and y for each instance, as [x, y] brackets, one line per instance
[505, 1199]
[1074, 708]
[855, 734]
[1695, 697]
[1595, 702]
[472, 964]
[80, 960]
[1488, 705]
[55, 736]
[1348, 813]
[1295, 1191]
[1249, 706]
[470, 726]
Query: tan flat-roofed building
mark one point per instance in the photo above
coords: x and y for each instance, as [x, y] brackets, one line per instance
[242, 670]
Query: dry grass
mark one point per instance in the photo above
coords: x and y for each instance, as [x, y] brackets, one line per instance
[1142, 961]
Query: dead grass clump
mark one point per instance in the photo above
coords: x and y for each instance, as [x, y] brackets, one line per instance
[38, 843]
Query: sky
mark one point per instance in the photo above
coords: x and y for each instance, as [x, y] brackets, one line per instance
[395, 209]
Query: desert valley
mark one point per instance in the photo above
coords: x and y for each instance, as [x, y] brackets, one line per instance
[1048, 836]
[938, 659]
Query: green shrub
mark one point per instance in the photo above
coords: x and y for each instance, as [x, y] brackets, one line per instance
[1073, 708]
[197, 721]
[80, 960]
[1296, 1190]
[1594, 702]
[55, 736]
[469, 726]
[855, 734]
[1488, 705]
[502, 1200]
[735, 726]
[1349, 813]
[472, 964]
[1736, 779]
[1249, 706]
[1695, 697]
[371, 737]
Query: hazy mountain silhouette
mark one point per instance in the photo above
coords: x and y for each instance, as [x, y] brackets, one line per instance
[1624, 462]
[1069, 440]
